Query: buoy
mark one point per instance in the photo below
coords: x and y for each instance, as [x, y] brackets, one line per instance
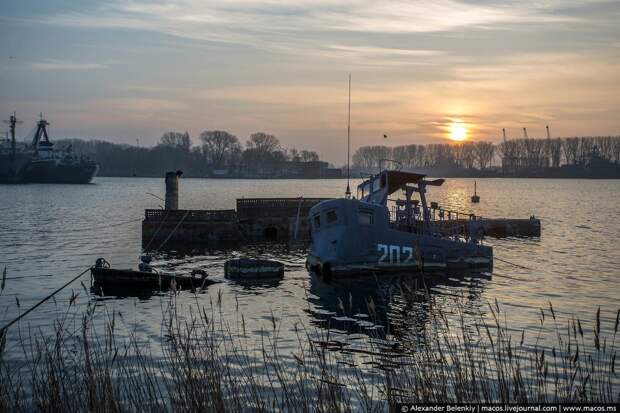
[475, 198]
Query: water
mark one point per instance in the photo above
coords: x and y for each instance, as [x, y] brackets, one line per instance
[50, 233]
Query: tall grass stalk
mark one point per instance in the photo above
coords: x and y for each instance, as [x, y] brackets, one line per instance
[97, 364]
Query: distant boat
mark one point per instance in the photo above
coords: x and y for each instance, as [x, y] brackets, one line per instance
[475, 198]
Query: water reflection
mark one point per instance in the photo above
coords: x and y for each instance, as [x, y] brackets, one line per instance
[397, 305]
[120, 292]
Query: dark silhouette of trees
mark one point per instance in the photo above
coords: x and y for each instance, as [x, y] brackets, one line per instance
[308, 156]
[218, 153]
[176, 140]
[264, 156]
[513, 153]
[484, 152]
[220, 148]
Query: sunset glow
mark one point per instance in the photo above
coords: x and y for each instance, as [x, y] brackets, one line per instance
[425, 72]
[458, 131]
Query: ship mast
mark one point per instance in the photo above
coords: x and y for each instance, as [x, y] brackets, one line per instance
[12, 122]
[41, 134]
[347, 193]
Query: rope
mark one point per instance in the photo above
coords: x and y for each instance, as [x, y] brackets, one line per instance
[172, 232]
[118, 224]
[512, 263]
[161, 224]
[24, 314]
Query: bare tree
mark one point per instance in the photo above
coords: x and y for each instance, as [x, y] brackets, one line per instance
[176, 139]
[294, 154]
[309, 156]
[368, 157]
[554, 151]
[263, 143]
[571, 150]
[616, 149]
[219, 147]
[534, 150]
[484, 152]
[586, 147]
[605, 145]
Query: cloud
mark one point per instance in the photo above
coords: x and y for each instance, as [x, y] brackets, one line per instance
[56, 64]
[279, 26]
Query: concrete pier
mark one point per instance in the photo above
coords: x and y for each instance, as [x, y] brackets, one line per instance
[281, 220]
[255, 220]
[492, 227]
[189, 229]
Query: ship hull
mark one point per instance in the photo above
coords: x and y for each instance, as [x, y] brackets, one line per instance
[353, 245]
[13, 168]
[47, 172]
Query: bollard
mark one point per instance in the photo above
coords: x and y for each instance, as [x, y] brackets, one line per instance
[172, 189]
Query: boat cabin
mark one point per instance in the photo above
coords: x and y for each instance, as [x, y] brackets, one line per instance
[408, 212]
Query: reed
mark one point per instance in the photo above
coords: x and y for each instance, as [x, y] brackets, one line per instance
[95, 363]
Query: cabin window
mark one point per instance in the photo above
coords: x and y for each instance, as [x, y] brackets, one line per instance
[365, 217]
[366, 189]
[332, 216]
[317, 221]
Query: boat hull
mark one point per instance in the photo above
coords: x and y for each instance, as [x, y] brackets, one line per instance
[50, 172]
[352, 237]
[143, 280]
[13, 167]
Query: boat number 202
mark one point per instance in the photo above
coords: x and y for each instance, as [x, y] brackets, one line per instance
[392, 254]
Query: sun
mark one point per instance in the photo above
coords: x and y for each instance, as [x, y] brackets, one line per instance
[458, 131]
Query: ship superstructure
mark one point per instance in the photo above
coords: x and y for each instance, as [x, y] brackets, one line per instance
[39, 161]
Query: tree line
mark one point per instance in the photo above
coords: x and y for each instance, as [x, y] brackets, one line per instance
[482, 155]
[216, 151]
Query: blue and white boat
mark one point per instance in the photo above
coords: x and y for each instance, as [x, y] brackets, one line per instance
[353, 236]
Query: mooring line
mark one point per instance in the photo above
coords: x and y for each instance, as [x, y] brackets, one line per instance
[24, 314]
[512, 263]
[28, 276]
[175, 228]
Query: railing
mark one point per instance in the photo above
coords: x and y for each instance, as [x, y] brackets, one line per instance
[445, 223]
[275, 207]
[277, 202]
[174, 215]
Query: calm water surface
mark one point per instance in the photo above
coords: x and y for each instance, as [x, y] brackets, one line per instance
[49, 233]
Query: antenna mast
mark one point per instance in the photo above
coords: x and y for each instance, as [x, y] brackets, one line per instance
[347, 193]
[12, 122]
[525, 133]
[548, 134]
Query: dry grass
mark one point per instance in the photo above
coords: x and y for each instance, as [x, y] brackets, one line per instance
[209, 365]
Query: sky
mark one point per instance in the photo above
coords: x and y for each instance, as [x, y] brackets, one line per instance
[423, 71]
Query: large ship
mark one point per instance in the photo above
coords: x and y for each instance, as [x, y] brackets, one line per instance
[40, 162]
[49, 165]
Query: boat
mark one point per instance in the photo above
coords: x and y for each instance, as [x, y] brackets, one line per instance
[14, 157]
[475, 198]
[50, 165]
[146, 278]
[354, 236]
[253, 269]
